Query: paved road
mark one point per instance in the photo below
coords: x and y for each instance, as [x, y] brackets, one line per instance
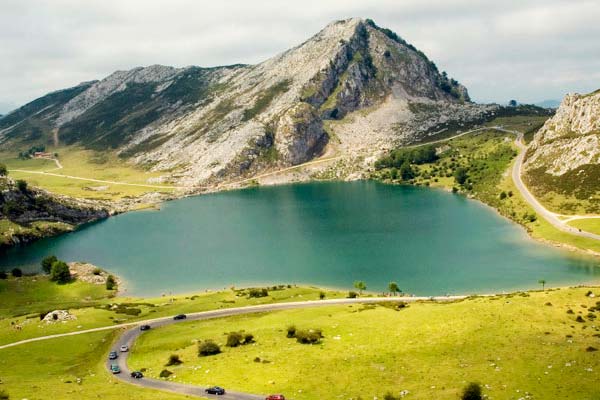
[128, 338]
[548, 215]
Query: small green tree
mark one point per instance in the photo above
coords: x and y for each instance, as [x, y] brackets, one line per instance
[60, 272]
[543, 283]
[47, 263]
[3, 170]
[174, 360]
[393, 287]
[460, 175]
[360, 286]
[111, 283]
[321, 295]
[208, 348]
[16, 272]
[406, 171]
[472, 392]
[234, 339]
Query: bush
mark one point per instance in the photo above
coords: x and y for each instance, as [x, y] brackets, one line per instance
[256, 292]
[16, 272]
[47, 263]
[291, 331]
[22, 185]
[352, 295]
[173, 360]
[208, 348]
[3, 170]
[165, 373]
[60, 272]
[472, 392]
[389, 396]
[311, 336]
[579, 319]
[234, 339]
[111, 283]
[321, 295]
[4, 395]
[248, 338]
[3, 275]
[97, 271]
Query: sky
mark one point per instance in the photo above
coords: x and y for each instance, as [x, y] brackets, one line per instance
[527, 50]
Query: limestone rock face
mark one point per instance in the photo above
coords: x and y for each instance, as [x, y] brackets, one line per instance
[300, 134]
[570, 139]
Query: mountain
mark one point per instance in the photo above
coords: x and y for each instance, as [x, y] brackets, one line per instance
[352, 89]
[564, 156]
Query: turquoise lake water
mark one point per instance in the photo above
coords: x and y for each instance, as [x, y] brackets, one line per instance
[326, 234]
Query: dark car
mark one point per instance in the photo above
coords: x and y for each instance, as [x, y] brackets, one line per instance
[275, 397]
[215, 390]
[137, 375]
[180, 316]
[113, 355]
[144, 327]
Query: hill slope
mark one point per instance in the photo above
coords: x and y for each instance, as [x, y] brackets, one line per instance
[563, 161]
[202, 125]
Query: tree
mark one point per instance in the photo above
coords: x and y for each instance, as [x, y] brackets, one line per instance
[60, 272]
[393, 286]
[47, 263]
[234, 339]
[472, 392]
[543, 283]
[360, 285]
[111, 283]
[3, 275]
[3, 170]
[173, 360]
[22, 185]
[406, 171]
[460, 175]
[16, 272]
[512, 103]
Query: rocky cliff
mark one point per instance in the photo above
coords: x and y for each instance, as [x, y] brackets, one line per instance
[564, 156]
[27, 213]
[352, 89]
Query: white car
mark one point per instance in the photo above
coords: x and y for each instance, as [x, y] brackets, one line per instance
[124, 348]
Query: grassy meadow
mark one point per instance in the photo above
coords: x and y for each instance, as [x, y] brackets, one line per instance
[514, 345]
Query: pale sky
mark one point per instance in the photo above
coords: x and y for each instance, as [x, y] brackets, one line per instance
[528, 50]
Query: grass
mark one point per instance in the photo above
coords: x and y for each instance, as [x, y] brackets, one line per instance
[512, 344]
[37, 229]
[588, 224]
[24, 298]
[80, 162]
[68, 368]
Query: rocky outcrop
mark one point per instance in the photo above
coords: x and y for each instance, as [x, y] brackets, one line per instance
[33, 213]
[201, 125]
[569, 140]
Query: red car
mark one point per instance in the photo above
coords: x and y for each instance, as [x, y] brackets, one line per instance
[275, 397]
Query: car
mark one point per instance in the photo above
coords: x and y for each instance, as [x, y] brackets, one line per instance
[137, 375]
[180, 316]
[114, 368]
[124, 348]
[215, 390]
[144, 327]
[113, 355]
[275, 397]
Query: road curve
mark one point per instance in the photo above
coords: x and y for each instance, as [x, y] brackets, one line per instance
[128, 339]
[548, 215]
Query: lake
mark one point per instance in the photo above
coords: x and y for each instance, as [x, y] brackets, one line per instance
[325, 234]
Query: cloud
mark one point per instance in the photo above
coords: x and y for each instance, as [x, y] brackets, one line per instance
[511, 49]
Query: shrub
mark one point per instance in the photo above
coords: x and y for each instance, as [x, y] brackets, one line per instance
[352, 295]
[60, 272]
[165, 373]
[16, 272]
[590, 349]
[248, 338]
[97, 271]
[22, 185]
[111, 283]
[472, 392]
[291, 331]
[3, 170]
[311, 336]
[321, 295]
[460, 175]
[4, 395]
[173, 360]
[234, 339]
[47, 263]
[3, 275]
[257, 292]
[390, 396]
[579, 319]
[208, 348]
